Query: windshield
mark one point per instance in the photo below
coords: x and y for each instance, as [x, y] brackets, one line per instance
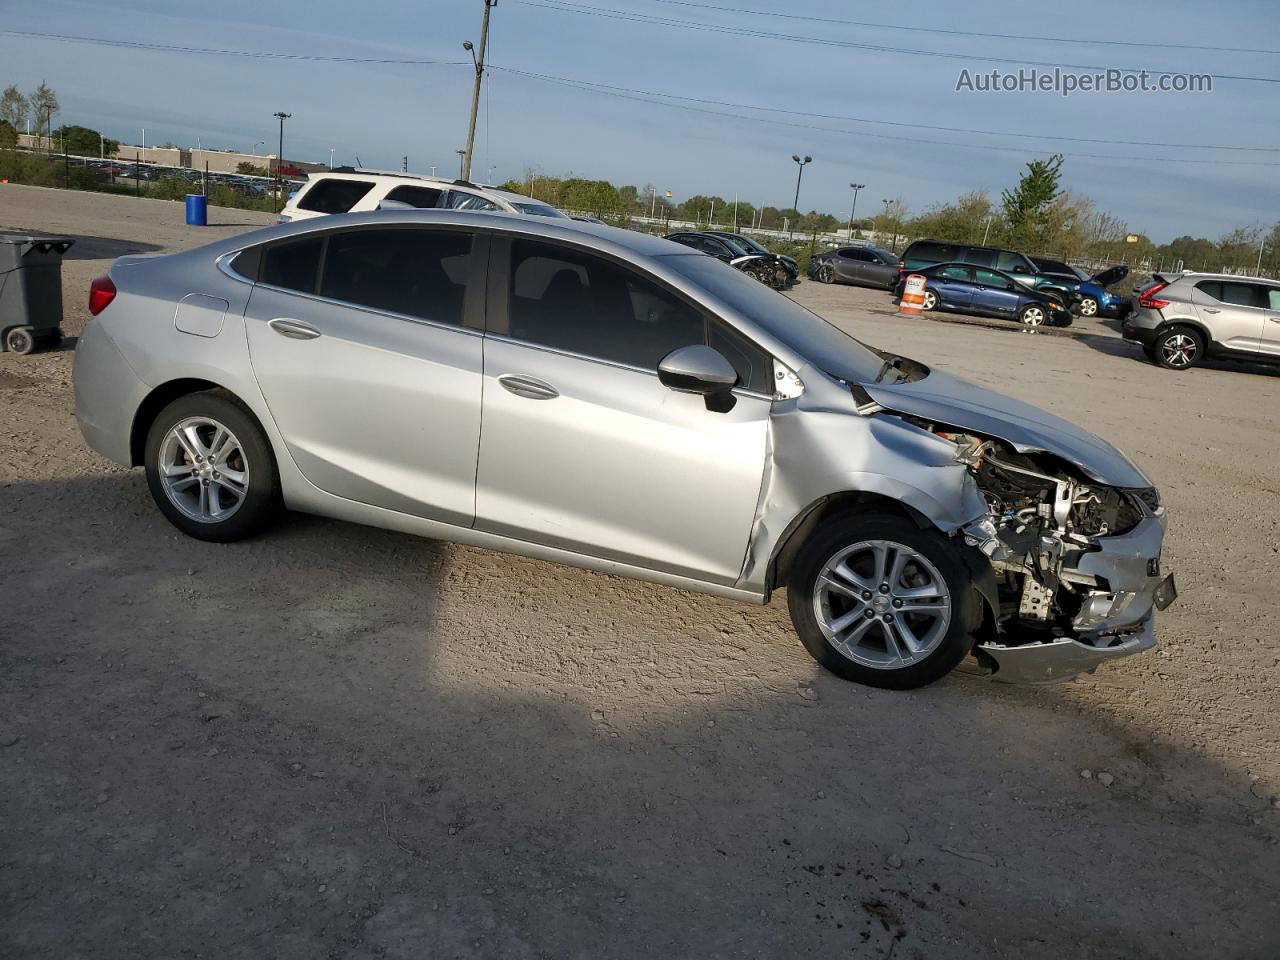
[737, 247]
[824, 345]
[538, 210]
[751, 245]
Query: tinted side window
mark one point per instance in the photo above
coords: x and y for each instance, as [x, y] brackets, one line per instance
[331, 195]
[851, 253]
[955, 273]
[994, 280]
[421, 197]
[1054, 266]
[1244, 294]
[1212, 287]
[932, 252]
[1273, 298]
[571, 301]
[1013, 263]
[980, 258]
[293, 264]
[420, 273]
[469, 201]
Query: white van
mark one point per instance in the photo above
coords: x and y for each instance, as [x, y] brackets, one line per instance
[347, 190]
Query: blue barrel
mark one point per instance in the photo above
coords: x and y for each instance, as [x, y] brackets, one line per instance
[197, 210]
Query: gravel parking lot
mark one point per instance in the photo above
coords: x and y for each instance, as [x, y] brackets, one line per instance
[343, 742]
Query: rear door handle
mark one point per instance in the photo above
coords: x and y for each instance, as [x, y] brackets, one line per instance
[528, 387]
[1212, 310]
[293, 329]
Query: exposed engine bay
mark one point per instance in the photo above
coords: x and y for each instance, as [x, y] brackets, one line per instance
[1044, 516]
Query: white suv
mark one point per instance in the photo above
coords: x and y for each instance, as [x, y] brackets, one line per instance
[355, 191]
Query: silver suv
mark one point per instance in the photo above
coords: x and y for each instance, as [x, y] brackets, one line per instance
[604, 398]
[1184, 318]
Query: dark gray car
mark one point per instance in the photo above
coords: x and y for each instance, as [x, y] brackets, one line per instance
[865, 266]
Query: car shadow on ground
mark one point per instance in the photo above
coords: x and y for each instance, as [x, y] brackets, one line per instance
[338, 741]
[1124, 348]
[104, 248]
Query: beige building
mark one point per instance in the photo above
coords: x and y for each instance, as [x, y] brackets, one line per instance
[219, 161]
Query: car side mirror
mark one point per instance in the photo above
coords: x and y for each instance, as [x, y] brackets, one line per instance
[703, 370]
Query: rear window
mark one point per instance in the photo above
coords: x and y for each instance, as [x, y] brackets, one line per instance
[293, 265]
[980, 258]
[423, 198]
[331, 195]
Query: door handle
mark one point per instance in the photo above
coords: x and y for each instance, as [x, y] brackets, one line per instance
[1212, 310]
[528, 387]
[293, 329]
[1274, 319]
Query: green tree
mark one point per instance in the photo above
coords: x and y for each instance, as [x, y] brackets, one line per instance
[44, 104]
[1026, 206]
[249, 169]
[85, 141]
[14, 108]
[8, 135]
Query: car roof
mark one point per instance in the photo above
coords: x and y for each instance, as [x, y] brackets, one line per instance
[1193, 275]
[627, 243]
[385, 177]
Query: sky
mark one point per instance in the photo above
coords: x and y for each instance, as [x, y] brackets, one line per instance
[377, 113]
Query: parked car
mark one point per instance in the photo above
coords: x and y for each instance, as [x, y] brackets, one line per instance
[769, 268]
[1183, 318]
[354, 191]
[754, 246]
[865, 266]
[1089, 290]
[600, 397]
[925, 253]
[989, 293]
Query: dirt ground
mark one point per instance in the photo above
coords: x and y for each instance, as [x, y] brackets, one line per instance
[341, 742]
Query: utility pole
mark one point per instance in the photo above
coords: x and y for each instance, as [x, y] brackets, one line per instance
[800, 173]
[404, 164]
[462, 164]
[478, 61]
[282, 117]
[854, 209]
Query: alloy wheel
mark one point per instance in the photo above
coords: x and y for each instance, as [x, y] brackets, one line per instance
[1088, 307]
[826, 274]
[930, 301]
[1179, 350]
[1033, 316]
[203, 470]
[882, 604]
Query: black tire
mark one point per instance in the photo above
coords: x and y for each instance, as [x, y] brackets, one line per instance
[19, 340]
[260, 501]
[826, 274]
[1177, 348]
[953, 643]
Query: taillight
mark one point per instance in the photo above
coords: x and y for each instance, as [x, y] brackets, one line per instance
[101, 292]
[1147, 298]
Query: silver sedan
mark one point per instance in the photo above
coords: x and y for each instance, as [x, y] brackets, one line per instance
[598, 397]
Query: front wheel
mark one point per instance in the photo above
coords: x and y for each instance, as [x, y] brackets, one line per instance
[826, 274]
[879, 601]
[1033, 315]
[210, 468]
[1088, 307]
[930, 301]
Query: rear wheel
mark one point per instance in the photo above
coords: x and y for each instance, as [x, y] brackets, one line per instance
[879, 601]
[1178, 348]
[210, 468]
[19, 340]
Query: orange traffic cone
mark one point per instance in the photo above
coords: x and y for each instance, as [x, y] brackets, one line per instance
[912, 302]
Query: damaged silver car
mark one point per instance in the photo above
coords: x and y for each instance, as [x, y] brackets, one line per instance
[599, 397]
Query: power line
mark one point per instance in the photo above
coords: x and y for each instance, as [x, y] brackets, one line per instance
[964, 33]
[891, 123]
[565, 6]
[644, 97]
[176, 48]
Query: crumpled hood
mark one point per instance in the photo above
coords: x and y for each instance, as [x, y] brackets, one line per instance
[959, 403]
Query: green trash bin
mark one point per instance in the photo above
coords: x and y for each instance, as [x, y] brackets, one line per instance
[30, 291]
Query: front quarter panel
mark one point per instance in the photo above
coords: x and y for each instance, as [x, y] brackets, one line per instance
[821, 446]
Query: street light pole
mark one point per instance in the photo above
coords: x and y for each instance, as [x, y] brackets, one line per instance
[475, 89]
[282, 117]
[854, 209]
[799, 173]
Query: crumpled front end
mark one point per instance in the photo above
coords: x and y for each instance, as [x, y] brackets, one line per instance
[1077, 565]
